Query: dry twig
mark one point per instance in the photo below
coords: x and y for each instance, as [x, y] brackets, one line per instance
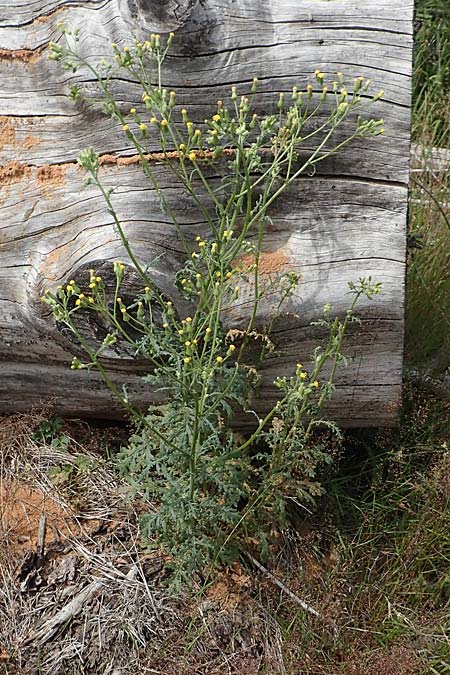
[304, 605]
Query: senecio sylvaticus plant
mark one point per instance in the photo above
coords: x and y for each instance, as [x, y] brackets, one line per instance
[214, 490]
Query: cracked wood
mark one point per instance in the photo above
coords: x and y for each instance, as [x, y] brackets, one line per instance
[347, 221]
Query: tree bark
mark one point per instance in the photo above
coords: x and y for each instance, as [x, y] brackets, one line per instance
[347, 221]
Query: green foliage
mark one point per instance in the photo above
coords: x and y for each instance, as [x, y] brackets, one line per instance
[431, 78]
[213, 488]
[428, 287]
[392, 496]
[50, 432]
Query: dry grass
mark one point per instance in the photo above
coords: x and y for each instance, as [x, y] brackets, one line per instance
[94, 600]
[373, 560]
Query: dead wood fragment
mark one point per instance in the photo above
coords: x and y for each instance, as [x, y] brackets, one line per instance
[41, 536]
[304, 605]
[72, 609]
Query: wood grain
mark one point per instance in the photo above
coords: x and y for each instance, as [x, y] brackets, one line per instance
[346, 222]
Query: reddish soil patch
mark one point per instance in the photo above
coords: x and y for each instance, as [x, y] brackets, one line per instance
[49, 178]
[30, 142]
[21, 508]
[7, 132]
[22, 55]
[269, 262]
[8, 136]
[113, 160]
[230, 589]
[13, 172]
[45, 18]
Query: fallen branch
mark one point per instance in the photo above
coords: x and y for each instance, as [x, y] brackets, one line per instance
[304, 605]
[72, 609]
[41, 537]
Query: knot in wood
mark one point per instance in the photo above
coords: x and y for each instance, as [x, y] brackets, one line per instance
[93, 326]
[161, 16]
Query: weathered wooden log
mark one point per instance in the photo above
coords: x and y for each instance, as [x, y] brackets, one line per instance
[427, 158]
[347, 221]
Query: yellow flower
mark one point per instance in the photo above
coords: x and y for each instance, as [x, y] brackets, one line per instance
[192, 156]
[303, 376]
[188, 319]
[182, 147]
[164, 123]
[98, 279]
[126, 127]
[165, 325]
[299, 366]
[219, 359]
[187, 343]
[208, 330]
[153, 120]
[143, 127]
[216, 118]
[187, 359]
[315, 384]
[132, 111]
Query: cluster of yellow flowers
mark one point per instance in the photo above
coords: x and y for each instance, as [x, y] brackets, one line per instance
[303, 375]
